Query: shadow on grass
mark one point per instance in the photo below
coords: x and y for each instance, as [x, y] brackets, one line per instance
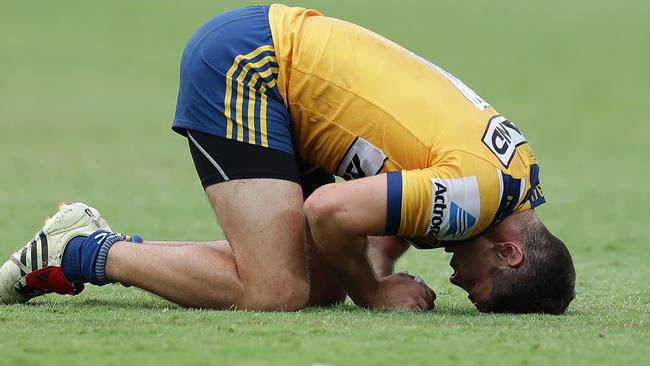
[442, 311]
[353, 309]
[158, 304]
[60, 305]
[116, 303]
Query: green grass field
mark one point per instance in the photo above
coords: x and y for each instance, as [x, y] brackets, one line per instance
[87, 94]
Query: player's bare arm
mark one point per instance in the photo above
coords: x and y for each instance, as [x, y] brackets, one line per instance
[341, 216]
[383, 252]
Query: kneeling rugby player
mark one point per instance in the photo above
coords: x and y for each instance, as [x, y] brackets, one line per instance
[276, 100]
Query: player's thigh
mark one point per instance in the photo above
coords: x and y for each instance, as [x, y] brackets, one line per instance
[238, 129]
[255, 193]
[264, 223]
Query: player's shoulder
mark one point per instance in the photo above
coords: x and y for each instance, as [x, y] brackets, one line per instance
[479, 191]
[501, 141]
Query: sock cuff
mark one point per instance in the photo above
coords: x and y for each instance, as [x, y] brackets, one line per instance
[100, 263]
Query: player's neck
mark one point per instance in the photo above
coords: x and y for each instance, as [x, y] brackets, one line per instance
[511, 228]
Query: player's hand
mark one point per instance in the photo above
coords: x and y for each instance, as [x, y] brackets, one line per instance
[403, 291]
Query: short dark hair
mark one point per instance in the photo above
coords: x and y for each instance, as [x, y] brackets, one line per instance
[544, 283]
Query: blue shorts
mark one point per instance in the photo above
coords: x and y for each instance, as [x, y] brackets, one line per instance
[228, 78]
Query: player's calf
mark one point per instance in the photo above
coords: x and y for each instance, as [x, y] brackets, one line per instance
[324, 289]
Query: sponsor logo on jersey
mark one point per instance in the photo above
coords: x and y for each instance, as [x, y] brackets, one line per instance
[362, 159]
[502, 138]
[438, 209]
[455, 208]
[460, 220]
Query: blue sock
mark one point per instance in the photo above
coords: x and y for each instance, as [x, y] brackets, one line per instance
[71, 261]
[84, 258]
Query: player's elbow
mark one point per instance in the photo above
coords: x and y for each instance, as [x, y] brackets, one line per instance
[322, 208]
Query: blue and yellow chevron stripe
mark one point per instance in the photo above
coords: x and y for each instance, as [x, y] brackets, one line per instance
[245, 102]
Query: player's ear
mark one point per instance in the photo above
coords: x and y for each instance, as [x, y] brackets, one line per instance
[508, 254]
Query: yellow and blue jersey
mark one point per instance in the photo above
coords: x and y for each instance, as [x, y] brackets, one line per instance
[363, 105]
[356, 104]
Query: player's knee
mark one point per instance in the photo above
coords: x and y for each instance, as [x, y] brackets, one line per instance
[289, 299]
[285, 294]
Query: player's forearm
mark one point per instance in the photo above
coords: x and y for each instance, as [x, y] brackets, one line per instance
[345, 255]
[340, 218]
[383, 251]
[352, 269]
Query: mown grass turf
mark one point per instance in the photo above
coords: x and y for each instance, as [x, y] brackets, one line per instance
[87, 93]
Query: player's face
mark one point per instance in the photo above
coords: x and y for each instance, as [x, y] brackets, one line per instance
[472, 261]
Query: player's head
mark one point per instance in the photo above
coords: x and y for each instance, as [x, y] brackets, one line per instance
[518, 267]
